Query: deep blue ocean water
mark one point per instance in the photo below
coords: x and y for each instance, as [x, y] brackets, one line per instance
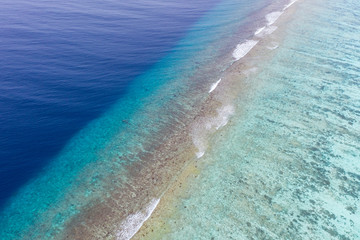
[63, 64]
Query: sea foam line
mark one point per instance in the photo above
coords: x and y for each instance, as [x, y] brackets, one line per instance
[133, 222]
[214, 85]
[244, 48]
[259, 30]
[199, 154]
[265, 31]
[274, 45]
[289, 5]
[223, 117]
[205, 126]
[271, 18]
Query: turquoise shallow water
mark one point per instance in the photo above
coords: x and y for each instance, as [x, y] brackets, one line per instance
[287, 166]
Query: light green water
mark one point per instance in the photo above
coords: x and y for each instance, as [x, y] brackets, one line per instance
[287, 166]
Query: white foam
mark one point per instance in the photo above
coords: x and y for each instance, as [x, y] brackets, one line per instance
[223, 116]
[272, 48]
[219, 121]
[267, 31]
[259, 30]
[204, 126]
[271, 18]
[133, 222]
[199, 140]
[250, 71]
[200, 154]
[243, 49]
[274, 45]
[214, 85]
[289, 5]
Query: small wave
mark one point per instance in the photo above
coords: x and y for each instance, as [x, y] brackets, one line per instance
[289, 5]
[270, 30]
[133, 222]
[274, 45]
[214, 85]
[204, 126]
[250, 71]
[200, 154]
[243, 49]
[199, 136]
[259, 30]
[267, 31]
[223, 116]
[271, 18]
[200, 143]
